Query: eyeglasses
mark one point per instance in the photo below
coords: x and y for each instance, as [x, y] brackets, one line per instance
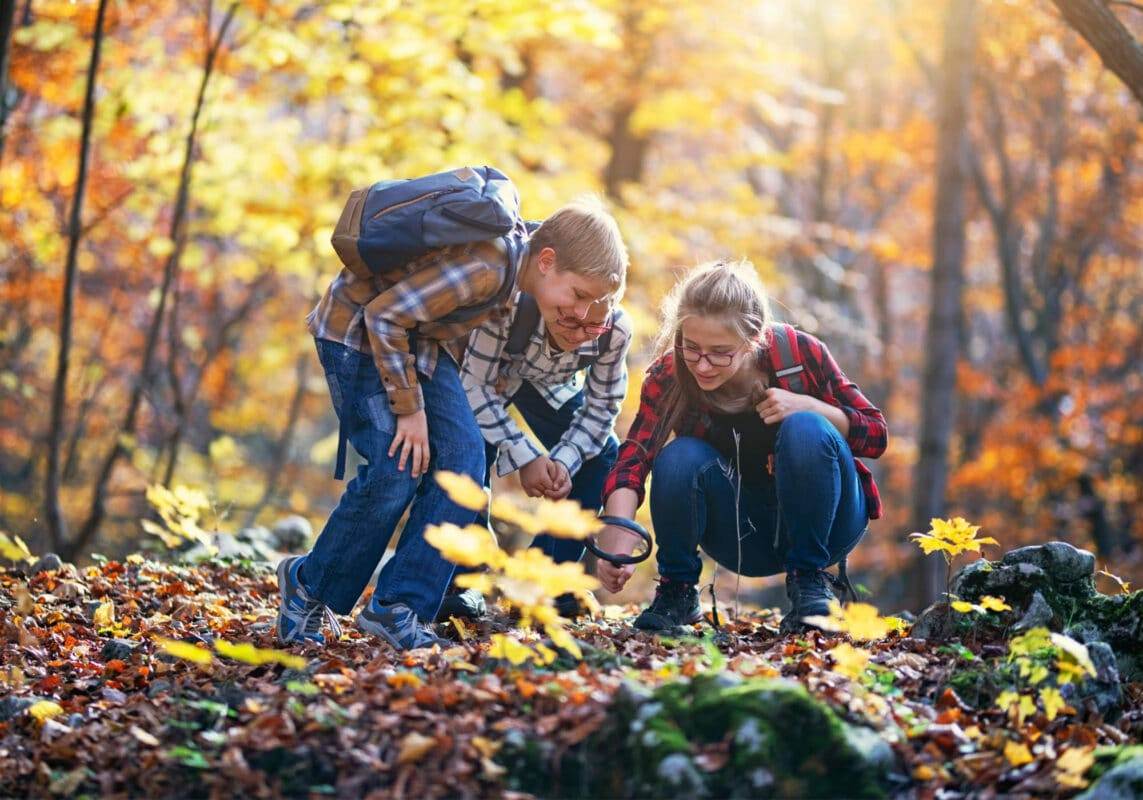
[693, 356]
[593, 330]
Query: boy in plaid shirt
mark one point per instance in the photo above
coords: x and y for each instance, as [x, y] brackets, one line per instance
[390, 350]
[573, 420]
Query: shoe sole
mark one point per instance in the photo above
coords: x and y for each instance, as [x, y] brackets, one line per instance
[658, 629]
[375, 629]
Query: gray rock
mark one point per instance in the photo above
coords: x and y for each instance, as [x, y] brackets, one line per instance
[121, 649]
[679, 772]
[1084, 633]
[1105, 689]
[229, 547]
[292, 534]
[257, 535]
[158, 687]
[1038, 614]
[10, 706]
[935, 622]
[1060, 560]
[1122, 782]
[1013, 582]
[876, 752]
[48, 562]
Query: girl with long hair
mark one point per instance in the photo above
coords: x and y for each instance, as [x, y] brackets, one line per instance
[764, 479]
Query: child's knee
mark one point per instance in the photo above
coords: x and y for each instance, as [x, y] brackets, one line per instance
[805, 434]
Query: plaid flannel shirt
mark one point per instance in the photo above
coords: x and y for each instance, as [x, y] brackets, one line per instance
[867, 437]
[492, 376]
[377, 316]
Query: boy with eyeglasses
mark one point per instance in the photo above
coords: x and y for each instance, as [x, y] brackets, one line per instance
[572, 418]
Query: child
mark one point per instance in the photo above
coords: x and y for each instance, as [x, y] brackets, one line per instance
[389, 347]
[537, 372]
[765, 480]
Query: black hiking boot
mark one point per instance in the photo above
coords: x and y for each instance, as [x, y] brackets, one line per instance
[569, 606]
[676, 604]
[461, 603]
[810, 593]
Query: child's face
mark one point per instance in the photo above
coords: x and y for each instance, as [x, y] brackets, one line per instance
[709, 340]
[565, 295]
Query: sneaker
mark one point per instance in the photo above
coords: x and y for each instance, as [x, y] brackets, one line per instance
[676, 604]
[398, 625]
[461, 603]
[810, 594]
[300, 616]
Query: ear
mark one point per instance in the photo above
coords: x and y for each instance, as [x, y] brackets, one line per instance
[546, 260]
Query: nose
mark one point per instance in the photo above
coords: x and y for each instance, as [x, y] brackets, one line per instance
[581, 309]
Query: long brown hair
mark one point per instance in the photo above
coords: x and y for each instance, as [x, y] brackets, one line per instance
[732, 293]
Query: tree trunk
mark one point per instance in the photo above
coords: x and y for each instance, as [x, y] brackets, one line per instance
[942, 349]
[1119, 51]
[98, 508]
[53, 512]
[7, 23]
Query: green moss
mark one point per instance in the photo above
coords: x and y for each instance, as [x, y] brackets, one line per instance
[781, 742]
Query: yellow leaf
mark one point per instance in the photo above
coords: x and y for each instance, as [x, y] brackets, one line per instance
[1017, 754]
[463, 490]
[1052, 701]
[480, 581]
[563, 640]
[508, 649]
[963, 606]
[923, 772]
[183, 650]
[471, 546]
[1124, 586]
[461, 628]
[14, 548]
[400, 680]
[1072, 764]
[849, 660]
[486, 747]
[860, 620]
[1023, 704]
[135, 559]
[104, 616]
[249, 654]
[994, 603]
[1075, 652]
[45, 710]
[414, 747]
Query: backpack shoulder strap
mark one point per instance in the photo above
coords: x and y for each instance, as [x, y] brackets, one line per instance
[786, 359]
[526, 319]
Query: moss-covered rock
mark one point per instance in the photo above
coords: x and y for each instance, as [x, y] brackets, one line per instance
[1053, 585]
[713, 735]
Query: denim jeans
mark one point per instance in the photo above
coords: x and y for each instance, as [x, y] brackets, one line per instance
[809, 516]
[549, 424]
[354, 539]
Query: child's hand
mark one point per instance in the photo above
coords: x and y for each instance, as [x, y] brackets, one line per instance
[613, 539]
[412, 437]
[777, 404]
[560, 479]
[534, 477]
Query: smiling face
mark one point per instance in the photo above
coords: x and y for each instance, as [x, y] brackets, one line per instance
[713, 337]
[563, 294]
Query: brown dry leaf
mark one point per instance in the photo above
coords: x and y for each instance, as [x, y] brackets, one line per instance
[142, 736]
[414, 747]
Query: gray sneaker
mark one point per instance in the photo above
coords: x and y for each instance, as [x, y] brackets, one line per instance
[300, 616]
[810, 594]
[398, 625]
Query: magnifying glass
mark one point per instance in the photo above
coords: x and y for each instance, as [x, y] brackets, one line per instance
[641, 554]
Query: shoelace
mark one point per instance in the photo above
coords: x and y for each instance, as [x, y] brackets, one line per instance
[317, 614]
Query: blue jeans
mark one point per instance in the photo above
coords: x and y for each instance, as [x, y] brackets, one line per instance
[809, 516]
[354, 539]
[549, 424]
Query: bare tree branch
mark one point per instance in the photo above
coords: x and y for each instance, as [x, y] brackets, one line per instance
[1119, 51]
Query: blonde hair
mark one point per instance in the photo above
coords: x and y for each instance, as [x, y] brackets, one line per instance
[587, 241]
[727, 291]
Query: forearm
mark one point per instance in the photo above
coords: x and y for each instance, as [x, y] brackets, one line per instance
[835, 415]
[622, 503]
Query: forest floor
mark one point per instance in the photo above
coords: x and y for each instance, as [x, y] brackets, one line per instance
[92, 704]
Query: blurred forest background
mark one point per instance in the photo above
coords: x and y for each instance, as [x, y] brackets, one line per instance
[950, 194]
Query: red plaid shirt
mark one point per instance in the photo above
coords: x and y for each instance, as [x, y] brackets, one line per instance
[867, 437]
